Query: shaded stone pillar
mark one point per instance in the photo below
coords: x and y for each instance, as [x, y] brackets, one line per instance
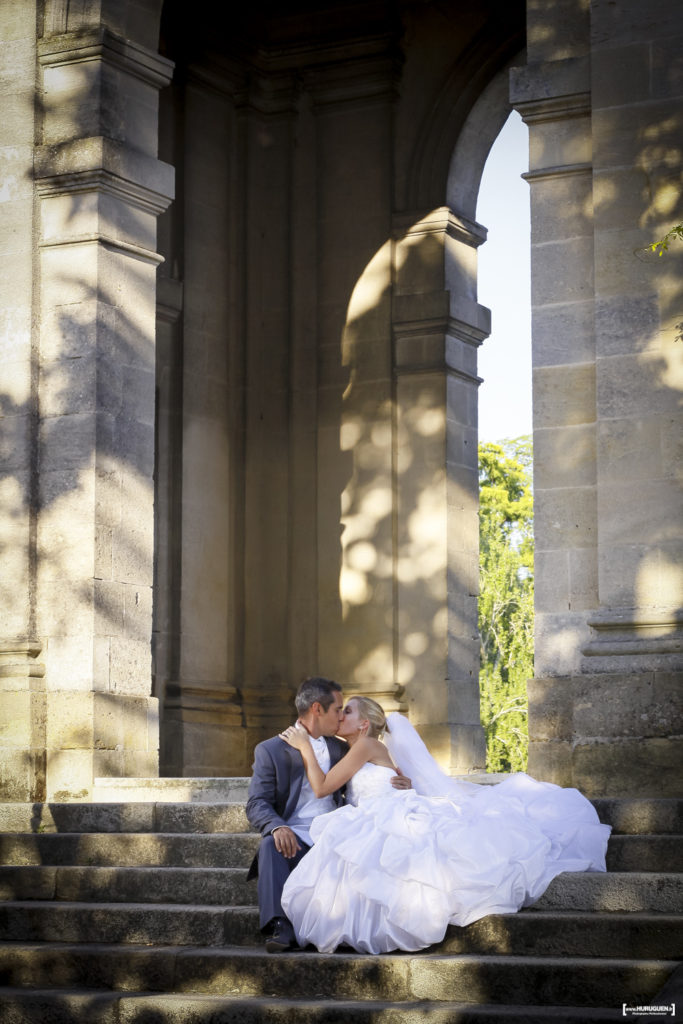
[267, 115]
[202, 468]
[438, 327]
[100, 188]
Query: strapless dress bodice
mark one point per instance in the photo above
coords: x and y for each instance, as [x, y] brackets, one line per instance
[371, 780]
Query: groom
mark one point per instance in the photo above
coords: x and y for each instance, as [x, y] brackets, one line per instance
[281, 804]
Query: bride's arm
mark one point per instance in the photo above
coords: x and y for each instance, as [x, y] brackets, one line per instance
[339, 774]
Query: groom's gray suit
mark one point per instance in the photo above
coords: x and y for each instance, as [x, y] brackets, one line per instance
[274, 791]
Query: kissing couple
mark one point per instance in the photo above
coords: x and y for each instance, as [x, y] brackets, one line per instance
[367, 843]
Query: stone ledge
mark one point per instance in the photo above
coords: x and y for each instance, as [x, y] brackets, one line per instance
[171, 790]
[102, 44]
[83, 164]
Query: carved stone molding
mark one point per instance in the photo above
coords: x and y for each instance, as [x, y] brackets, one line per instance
[567, 170]
[19, 665]
[629, 632]
[214, 703]
[103, 45]
[439, 220]
[552, 91]
[103, 165]
[359, 79]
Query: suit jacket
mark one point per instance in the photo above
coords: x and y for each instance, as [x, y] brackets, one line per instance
[275, 785]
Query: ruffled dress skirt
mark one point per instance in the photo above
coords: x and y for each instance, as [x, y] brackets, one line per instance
[394, 871]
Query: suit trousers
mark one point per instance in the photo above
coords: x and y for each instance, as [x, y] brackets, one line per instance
[273, 872]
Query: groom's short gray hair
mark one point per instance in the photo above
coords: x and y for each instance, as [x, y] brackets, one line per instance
[317, 689]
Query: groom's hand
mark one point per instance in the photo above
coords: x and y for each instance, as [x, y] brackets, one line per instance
[286, 841]
[401, 781]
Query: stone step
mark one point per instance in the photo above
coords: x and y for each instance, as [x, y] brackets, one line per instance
[124, 817]
[218, 886]
[627, 817]
[552, 933]
[624, 853]
[134, 849]
[570, 933]
[561, 933]
[209, 790]
[639, 816]
[645, 853]
[58, 1007]
[652, 892]
[239, 971]
[174, 790]
[165, 924]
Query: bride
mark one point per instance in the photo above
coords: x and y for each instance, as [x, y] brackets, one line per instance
[391, 869]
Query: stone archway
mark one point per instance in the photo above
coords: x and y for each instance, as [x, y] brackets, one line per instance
[326, 310]
[300, 401]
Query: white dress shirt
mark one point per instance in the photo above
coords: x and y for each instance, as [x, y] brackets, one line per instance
[309, 806]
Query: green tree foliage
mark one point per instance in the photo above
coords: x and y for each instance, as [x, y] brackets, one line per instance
[506, 599]
[662, 244]
[659, 248]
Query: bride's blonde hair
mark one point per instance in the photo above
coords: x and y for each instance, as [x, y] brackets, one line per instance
[374, 713]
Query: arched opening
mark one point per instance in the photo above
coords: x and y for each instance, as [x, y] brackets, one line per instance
[506, 599]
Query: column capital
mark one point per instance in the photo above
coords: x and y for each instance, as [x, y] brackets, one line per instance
[441, 220]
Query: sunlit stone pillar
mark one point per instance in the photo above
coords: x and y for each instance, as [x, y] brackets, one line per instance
[438, 326]
[22, 718]
[100, 188]
[635, 646]
[353, 108]
[605, 708]
[554, 100]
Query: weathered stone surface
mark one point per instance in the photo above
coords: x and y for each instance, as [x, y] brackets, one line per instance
[203, 948]
[639, 767]
[566, 395]
[313, 449]
[130, 849]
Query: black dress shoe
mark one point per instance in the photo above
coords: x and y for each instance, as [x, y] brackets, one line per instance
[282, 938]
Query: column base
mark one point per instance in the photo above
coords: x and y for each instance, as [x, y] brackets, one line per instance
[22, 722]
[203, 732]
[609, 734]
[93, 734]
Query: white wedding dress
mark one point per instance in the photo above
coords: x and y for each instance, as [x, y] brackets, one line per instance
[393, 868]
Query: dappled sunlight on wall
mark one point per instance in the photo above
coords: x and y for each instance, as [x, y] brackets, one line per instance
[408, 560]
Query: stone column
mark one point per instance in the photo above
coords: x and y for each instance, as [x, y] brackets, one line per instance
[438, 327]
[634, 652]
[605, 177]
[353, 107]
[101, 188]
[22, 698]
[202, 729]
[554, 100]
[267, 112]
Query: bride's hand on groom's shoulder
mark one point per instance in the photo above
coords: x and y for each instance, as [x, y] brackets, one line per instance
[296, 736]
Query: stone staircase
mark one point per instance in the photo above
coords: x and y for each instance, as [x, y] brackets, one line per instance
[139, 912]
